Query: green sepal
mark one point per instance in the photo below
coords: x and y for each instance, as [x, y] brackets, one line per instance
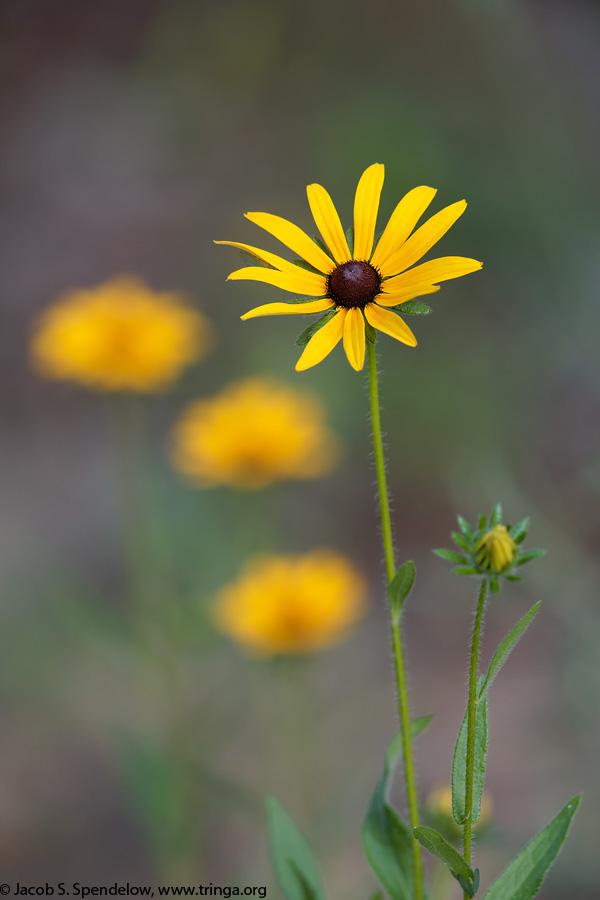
[400, 587]
[522, 877]
[418, 725]
[459, 764]
[482, 522]
[300, 299]
[465, 528]
[323, 247]
[512, 577]
[433, 841]
[386, 839]
[306, 335]
[350, 238]
[370, 333]
[411, 308]
[526, 557]
[377, 895]
[465, 570]
[461, 541]
[304, 265]
[494, 586]
[293, 860]
[248, 256]
[519, 531]
[507, 645]
[452, 557]
[496, 515]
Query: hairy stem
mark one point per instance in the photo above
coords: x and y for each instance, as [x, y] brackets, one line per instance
[390, 566]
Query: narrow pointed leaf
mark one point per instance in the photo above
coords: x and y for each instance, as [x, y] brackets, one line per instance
[503, 651]
[386, 839]
[350, 238]
[522, 878]
[526, 557]
[465, 528]
[412, 308]
[399, 588]
[459, 766]
[304, 265]
[293, 860]
[451, 556]
[460, 540]
[482, 522]
[496, 515]
[465, 570]
[433, 841]
[518, 532]
[418, 725]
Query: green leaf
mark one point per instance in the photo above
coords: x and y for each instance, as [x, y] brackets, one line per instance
[505, 648]
[399, 588]
[526, 557]
[386, 839]
[433, 841]
[419, 725]
[496, 515]
[304, 265]
[470, 889]
[377, 895]
[294, 862]
[465, 570]
[250, 257]
[370, 333]
[465, 528]
[461, 541]
[522, 878]
[512, 578]
[350, 238]
[412, 308]
[519, 531]
[459, 765]
[451, 556]
[323, 247]
[482, 522]
[306, 335]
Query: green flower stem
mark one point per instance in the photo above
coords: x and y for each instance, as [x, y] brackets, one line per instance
[390, 567]
[471, 712]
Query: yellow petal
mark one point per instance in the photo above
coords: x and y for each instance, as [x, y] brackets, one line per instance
[322, 342]
[278, 261]
[354, 338]
[401, 223]
[389, 323]
[432, 272]
[328, 222]
[289, 309]
[401, 296]
[424, 238]
[305, 283]
[366, 205]
[294, 238]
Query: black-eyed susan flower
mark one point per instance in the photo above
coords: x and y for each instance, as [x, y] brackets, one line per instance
[254, 433]
[291, 604]
[119, 336]
[492, 550]
[357, 281]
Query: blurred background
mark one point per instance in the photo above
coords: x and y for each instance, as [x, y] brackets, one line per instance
[132, 134]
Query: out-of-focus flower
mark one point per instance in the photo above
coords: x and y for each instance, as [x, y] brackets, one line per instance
[360, 285]
[119, 336]
[291, 604]
[438, 806]
[496, 549]
[492, 550]
[253, 433]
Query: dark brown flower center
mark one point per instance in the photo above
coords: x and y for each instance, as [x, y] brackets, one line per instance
[354, 284]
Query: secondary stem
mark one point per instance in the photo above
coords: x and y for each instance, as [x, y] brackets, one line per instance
[471, 713]
[390, 567]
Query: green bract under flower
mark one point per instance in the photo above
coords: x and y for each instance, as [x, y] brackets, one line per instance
[492, 550]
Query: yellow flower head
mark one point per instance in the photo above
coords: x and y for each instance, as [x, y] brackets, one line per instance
[291, 604]
[119, 336]
[496, 549]
[253, 433]
[355, 280]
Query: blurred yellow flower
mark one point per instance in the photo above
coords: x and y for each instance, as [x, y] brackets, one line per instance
[358, 281]
[255, 432]
[119, 336]
[291, 604]
[496, 549]
[439, 807]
